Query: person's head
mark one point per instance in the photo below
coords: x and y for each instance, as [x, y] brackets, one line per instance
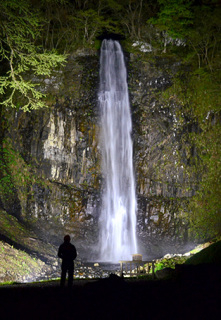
[67, 238]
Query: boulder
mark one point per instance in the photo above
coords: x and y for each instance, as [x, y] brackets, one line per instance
[164, 273]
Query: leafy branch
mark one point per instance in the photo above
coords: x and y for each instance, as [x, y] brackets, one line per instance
[19, 32]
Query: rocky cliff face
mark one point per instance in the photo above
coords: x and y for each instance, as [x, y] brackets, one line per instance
[162, 187]
[56, 168]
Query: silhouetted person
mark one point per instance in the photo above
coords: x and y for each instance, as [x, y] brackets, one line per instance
[67, 252]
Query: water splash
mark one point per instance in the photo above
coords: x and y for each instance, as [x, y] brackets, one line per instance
[118, 216]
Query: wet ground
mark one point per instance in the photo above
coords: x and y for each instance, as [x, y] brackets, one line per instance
[112, 298]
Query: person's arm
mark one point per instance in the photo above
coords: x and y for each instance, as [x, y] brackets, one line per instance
[74, 253]
[60, 255]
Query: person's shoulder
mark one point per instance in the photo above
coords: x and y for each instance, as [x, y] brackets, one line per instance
[73, 248]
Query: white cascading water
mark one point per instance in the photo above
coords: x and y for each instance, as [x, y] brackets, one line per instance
[118, 215]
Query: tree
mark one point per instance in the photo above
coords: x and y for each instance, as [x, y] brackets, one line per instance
[174, 17]
[20, 29]
[205, 36]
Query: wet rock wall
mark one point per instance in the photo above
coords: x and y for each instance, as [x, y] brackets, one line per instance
[163, 189]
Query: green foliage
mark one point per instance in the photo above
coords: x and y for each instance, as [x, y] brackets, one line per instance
[198, 25]
[175, 17]
[91, 24]
[31, 34]
[14, 172]
[204, 38]
[170, 263]
[20, 28]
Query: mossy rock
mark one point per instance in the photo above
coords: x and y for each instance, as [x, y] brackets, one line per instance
[211, 254]
[169, 263]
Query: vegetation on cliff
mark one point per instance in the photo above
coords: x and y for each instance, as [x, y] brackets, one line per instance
[197, 91]
[17, 265]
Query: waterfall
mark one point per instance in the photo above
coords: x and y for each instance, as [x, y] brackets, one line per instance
[118, 214]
